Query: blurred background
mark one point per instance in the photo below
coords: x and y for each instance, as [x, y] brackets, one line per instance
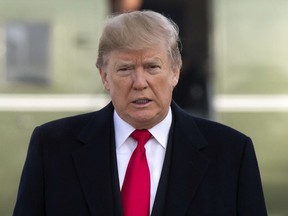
[235, 71]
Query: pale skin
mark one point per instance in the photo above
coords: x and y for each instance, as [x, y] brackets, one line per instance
[140, 83]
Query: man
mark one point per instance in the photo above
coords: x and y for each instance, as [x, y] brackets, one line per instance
[82, 165]
[193, 20]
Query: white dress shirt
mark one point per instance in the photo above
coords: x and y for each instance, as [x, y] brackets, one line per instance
[155, 149]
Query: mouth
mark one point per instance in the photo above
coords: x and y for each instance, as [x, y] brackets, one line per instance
[141, 101]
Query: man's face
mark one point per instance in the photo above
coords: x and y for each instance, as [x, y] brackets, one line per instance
[140, 83]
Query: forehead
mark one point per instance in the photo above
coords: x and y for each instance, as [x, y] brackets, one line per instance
[157, 53]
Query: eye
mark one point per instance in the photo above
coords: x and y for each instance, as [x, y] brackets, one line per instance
[153, 68]
[124, 70]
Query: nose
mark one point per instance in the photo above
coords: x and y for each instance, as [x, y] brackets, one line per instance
[139, 79]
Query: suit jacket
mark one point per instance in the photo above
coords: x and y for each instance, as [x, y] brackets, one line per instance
[209, 169]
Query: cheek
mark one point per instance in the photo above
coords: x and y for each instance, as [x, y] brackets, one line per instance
[164, 89]
[111, 84]
[118, 87]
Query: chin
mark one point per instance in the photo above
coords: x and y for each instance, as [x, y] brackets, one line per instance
[150, 119]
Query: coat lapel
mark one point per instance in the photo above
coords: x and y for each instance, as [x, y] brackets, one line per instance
[93, 163]
[188, 164]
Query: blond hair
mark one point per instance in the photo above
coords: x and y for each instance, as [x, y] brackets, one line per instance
[137, 30]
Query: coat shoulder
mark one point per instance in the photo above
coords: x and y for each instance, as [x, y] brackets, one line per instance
[69, 121]
[223, 138]
[212, 127]
[76, 122]
[209, 129]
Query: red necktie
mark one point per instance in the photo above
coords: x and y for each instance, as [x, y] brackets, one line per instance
[136, 186]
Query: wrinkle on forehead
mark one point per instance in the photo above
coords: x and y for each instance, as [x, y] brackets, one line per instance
[143, 56]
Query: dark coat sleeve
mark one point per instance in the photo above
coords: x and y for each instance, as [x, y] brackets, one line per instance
[250, 193]
[30, 199]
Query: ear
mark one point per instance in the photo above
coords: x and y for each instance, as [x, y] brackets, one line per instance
[105, 82]
[175, 76]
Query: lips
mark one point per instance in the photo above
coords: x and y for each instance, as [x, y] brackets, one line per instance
[141, 101]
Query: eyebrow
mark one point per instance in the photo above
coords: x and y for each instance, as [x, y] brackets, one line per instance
[130, 63]
[123, 64]
[153, 59]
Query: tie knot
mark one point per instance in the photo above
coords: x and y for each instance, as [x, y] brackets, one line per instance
[141, 136]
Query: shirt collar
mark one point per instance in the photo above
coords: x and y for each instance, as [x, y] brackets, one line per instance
[160, 131]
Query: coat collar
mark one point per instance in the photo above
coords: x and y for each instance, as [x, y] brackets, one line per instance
[188, 164]
[93, 163]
